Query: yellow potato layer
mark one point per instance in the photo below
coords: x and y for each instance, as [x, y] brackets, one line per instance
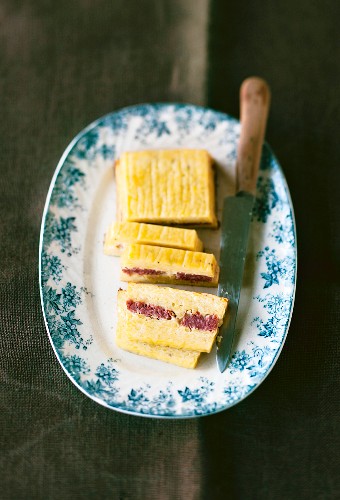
[166, 186]
[120, 234]
[179, 301]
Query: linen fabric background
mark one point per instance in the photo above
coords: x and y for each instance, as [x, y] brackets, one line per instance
[65, 63]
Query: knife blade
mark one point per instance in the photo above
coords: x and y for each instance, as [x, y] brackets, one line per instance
[237, 210]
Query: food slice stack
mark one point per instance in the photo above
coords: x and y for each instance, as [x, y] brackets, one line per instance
[168, 324]
[157, 190]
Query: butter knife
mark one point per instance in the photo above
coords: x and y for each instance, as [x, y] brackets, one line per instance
[237, 210]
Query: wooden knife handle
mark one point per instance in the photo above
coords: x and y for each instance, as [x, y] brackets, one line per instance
[254, 107]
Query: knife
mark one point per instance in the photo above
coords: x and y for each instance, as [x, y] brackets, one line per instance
[237, 210]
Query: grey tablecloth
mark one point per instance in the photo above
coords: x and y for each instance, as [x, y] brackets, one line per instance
[63, 64]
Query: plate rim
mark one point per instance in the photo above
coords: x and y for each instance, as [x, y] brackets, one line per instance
[68, 149]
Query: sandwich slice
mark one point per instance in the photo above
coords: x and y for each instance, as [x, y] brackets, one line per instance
[168, 317]
[120, 234]
[154, 264]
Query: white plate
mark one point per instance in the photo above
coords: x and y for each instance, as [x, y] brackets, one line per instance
[79, 284]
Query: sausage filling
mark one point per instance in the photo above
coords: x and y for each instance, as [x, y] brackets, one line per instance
[149, 310]
[192, 277]
[140, 271]
[196, 321]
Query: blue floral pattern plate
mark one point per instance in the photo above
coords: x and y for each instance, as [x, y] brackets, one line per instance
[79, 283]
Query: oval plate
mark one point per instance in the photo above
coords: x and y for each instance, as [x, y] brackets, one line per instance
[79, 284]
